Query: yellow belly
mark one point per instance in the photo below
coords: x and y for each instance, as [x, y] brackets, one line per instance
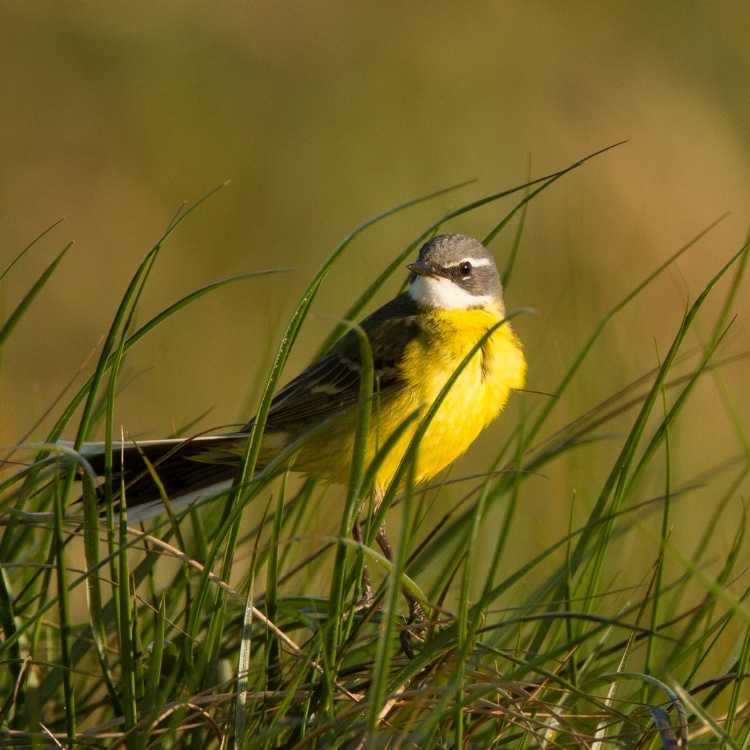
[475, 399]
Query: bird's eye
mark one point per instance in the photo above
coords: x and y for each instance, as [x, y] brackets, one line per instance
[465, 268]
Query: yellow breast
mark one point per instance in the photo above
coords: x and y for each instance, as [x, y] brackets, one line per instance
[474, 400]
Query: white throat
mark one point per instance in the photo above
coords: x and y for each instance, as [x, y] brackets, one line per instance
[428, 291]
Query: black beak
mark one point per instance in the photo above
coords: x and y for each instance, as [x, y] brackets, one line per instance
[420, 268]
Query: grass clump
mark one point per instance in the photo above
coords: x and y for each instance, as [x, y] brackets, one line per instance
[146, 636]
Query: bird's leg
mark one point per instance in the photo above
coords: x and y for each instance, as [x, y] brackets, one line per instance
[416, 612]
[367, 597]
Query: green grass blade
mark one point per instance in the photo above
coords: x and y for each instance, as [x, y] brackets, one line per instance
[381, 668]
[156, 657]
[13, 319]
[705, 717]
[351, 504]
[91, 531]
[515, 247]
[63, 601]
[243, 662]
[128, 665]
[356, 309]
[740, 673]
[28, 247]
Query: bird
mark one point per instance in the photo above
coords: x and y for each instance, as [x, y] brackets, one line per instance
[452, 299]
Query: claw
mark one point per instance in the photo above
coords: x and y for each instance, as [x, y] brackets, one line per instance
[367, 598]
[406, 645]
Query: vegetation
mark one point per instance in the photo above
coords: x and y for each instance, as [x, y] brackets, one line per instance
[201, 629]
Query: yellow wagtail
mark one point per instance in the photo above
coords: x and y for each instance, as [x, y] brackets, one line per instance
[418, 339]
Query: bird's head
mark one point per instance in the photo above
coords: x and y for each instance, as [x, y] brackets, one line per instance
[455, 272]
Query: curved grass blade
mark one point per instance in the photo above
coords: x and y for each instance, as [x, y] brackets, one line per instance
[28, 247]
[383, 562]
[355, 310]
[660, 718]
[689, 702]
[740, 670]
[513, 255]
[13, 319]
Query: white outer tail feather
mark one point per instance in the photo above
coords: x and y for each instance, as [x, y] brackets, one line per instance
[156, 508]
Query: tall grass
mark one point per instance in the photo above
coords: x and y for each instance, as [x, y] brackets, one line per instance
[177, 650]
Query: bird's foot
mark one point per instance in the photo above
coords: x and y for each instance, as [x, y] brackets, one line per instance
[415, 626]
[417, 614]
[367, 598]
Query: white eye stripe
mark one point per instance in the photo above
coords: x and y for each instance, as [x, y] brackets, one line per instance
[475, 262]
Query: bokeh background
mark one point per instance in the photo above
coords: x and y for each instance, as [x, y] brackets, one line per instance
[323, 114]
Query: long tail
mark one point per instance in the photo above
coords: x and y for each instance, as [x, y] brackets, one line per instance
[187, 469]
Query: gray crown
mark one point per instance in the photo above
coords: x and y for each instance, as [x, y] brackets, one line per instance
[445, 254]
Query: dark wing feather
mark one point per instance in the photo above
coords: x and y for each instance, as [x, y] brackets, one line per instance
[327, 387]
[331, 384]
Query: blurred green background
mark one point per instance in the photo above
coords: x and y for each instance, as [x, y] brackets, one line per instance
[325, 114]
